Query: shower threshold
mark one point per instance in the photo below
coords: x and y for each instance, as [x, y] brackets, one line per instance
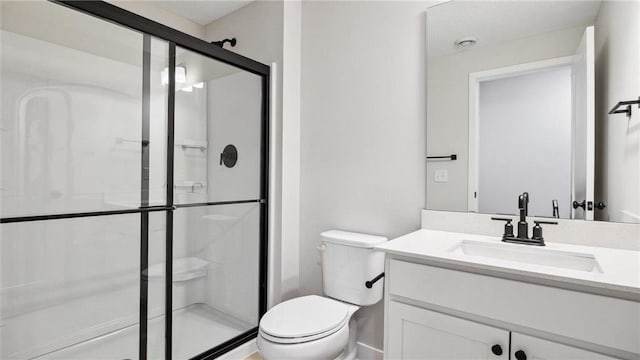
[196, 328]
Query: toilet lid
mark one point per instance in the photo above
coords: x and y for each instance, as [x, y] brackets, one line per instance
[304, 316]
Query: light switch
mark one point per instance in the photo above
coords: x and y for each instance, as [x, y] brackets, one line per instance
[441, 176]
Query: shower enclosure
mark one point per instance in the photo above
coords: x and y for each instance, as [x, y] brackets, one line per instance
[133, 187]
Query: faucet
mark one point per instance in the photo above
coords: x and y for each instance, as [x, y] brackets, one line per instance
[523, 205]
[523, 226]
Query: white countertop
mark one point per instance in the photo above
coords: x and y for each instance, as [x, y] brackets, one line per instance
[619, 273]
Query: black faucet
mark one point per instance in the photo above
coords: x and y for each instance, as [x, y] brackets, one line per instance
[523, 226]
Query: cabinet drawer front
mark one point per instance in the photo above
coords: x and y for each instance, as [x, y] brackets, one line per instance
[592, 318]
[416, 333]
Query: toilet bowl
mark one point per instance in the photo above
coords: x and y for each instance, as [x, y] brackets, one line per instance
[322, 327]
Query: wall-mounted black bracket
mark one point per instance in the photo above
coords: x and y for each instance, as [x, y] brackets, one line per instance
[627, 107]
[221, 43]
[448, 157]
[581, 204]
[369, 284]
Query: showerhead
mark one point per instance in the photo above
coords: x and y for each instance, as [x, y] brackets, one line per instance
[221, 43]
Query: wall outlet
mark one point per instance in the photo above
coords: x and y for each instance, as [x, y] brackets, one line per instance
[441, 176]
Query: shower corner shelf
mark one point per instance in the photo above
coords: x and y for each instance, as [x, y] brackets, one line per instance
[187, 144]
[184, 269]
[190, 183]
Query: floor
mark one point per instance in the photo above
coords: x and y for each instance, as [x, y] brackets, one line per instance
[198, 326]
[254, 356]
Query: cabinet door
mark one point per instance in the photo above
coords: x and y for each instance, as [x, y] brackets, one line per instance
[524, 347]
[415, 333]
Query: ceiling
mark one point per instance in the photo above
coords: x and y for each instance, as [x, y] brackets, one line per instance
[495, 22]
[202, 12]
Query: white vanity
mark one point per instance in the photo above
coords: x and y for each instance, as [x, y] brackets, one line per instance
[461, 296]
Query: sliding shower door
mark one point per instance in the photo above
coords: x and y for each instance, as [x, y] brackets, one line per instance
[216, 232]
[133, 187]
[76, 157]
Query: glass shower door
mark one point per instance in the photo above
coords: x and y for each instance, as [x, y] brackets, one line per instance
[216, 233]
[83, 149]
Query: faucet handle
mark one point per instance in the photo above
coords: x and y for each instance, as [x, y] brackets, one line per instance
[545, 222]
[508, 227]
[537, 229]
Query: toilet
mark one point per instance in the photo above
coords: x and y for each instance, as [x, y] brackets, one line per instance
[322, 327]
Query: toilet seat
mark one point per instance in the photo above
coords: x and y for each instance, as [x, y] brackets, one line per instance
[304, 319]
[298, 340]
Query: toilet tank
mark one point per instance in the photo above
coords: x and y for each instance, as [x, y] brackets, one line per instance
[348, 261]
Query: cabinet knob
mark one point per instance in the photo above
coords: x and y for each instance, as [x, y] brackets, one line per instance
[496, 349]
[520, 355]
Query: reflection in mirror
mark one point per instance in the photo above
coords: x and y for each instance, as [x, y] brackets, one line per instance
[524, 104]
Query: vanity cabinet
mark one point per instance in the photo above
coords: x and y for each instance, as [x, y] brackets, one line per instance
[434, 312]
[416, 333]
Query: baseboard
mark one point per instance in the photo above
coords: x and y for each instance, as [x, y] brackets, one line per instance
[241, 352]
[366, 352]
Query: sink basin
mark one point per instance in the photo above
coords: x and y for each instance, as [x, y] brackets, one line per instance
[529, 255]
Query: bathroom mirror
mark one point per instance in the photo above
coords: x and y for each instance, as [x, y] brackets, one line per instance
[522, 104]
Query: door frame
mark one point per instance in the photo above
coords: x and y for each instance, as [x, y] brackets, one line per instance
[475, 78]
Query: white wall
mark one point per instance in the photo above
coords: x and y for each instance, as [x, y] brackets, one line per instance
[363, 126]
[617, 36]
[447, 124]
[150, 11]
[529, 116]
[291, 86]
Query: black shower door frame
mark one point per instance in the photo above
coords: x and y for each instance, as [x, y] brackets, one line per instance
[149, 28]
